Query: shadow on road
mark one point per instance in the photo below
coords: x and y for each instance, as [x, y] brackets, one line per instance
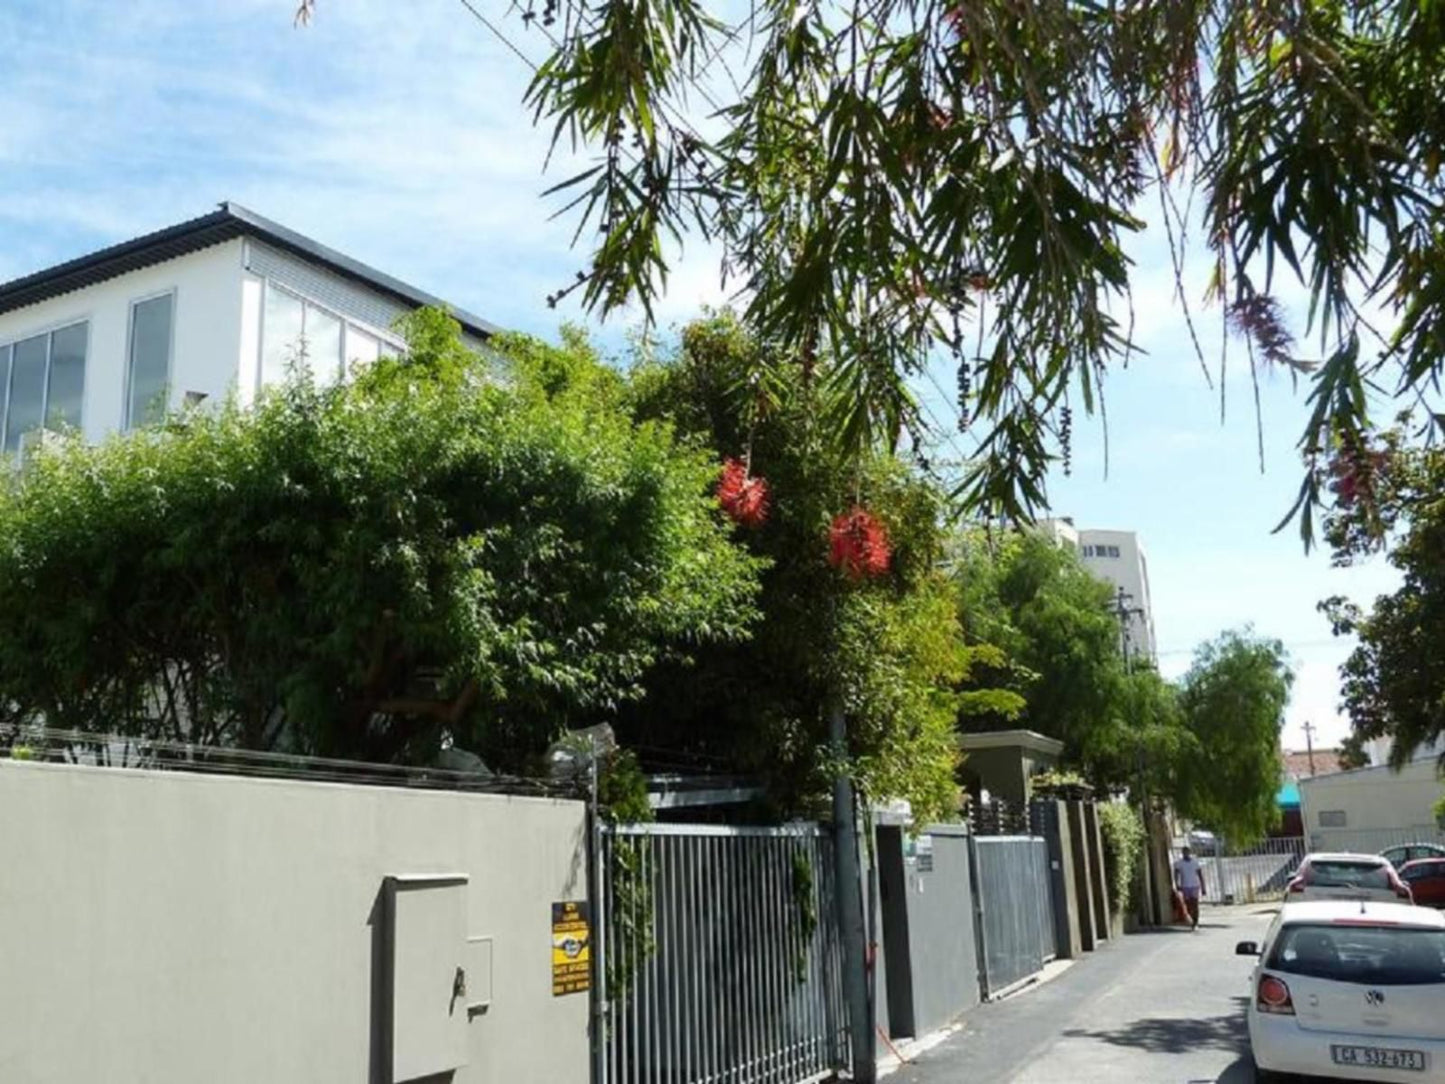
[1162, 1035]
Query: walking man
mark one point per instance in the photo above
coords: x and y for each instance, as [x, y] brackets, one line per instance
[1189, 882]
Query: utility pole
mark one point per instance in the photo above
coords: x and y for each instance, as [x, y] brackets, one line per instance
[1310, 745]
[850, 907]
[1123, 611]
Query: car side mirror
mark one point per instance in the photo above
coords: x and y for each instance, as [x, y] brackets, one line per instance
[1246, 948]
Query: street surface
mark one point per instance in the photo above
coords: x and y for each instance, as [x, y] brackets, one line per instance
[1153, 1008]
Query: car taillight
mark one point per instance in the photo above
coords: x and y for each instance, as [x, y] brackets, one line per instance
[1274, 997]
[1401, 888]
[1297, 885]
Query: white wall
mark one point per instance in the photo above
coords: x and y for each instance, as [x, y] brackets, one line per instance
[206, 338]
[1380, 806]
[168, 928]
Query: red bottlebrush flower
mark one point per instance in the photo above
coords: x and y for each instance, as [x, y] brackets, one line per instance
[743, 498]
[858, 544]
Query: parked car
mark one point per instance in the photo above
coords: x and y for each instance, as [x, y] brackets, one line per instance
[1426, 878]
[1203, 842]
[1349, 990]
[1347, 877]
[1411, 852]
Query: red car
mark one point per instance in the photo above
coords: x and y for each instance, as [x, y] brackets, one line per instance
[1426, 878]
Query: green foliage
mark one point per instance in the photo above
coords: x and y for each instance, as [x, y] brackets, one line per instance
[876, 177]
[426, 554]
[1123, 837]
[1043, 627]
[888, 650]
[806, 904]
[622, 790]
[1233, 700]
[21, 752]
[1394, 680]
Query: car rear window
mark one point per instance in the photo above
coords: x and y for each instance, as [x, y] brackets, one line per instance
[1424, 870]
[1374, 955]
[1349, 875]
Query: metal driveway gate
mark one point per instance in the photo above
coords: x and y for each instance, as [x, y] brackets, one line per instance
[1015, 909]
[721, 956]
[1246, 874]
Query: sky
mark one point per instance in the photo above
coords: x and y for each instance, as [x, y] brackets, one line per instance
[394, 130]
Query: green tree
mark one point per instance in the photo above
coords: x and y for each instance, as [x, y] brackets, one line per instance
[422, 556]
[891, 179]
[1393, 683]
[1233, 699]
[1056, 642]
[888, 649]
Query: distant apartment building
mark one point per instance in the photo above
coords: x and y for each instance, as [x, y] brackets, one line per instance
[1117, 558]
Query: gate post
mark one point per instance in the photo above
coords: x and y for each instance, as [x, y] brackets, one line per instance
[850, 909]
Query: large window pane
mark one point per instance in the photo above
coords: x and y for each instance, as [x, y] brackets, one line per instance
[4, 386]
[281, 341]
[150, 360]
[27, 389]
[323, 345]
[67, 377]
[361, 349]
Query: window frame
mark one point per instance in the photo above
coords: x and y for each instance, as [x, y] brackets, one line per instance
[386, 339]
[127, 422]
[47, 331]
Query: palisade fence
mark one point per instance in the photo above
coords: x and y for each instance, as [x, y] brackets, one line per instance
[1014, 909]
[721, 956]
[1259, 871]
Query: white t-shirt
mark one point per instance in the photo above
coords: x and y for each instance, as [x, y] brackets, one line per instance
[1186, 874]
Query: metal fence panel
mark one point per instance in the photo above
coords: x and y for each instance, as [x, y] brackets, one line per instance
[1246, 874]
[721, 955]
[1016, 908]
[1373, 840]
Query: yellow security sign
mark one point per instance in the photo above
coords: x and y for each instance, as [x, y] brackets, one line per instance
[571, 948]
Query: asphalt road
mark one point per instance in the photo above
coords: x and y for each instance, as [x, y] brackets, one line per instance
[1154, 1008]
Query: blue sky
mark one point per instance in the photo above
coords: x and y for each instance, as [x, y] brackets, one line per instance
[394, 131]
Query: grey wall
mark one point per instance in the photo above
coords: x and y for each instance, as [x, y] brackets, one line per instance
[164, 927]
[928, 929]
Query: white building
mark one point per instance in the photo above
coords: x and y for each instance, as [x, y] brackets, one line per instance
[1369, 809]
[1117, 558]
[217, 305]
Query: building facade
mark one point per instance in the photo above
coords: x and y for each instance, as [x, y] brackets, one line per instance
[1117, 558]
[217, 306]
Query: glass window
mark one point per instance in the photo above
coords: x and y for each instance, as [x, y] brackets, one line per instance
[27, 389]
[1332, 818]
[1372, 955]
[323, 345]
[281, 334]
[150, 360]
[361, 349]
[67, 377]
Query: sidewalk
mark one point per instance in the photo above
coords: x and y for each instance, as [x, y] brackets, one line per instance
[1162, 1006]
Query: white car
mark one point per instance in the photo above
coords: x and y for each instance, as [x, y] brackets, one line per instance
[1347, 877]
[1353, 990]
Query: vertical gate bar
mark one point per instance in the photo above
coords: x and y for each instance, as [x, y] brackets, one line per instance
[687, 963]
[772, 917]
[745, 965]
[781, 930]
[654, 1074]
[756, 958]
[714, 992]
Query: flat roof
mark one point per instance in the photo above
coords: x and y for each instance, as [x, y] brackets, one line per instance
[231, 220]
[1008, 739]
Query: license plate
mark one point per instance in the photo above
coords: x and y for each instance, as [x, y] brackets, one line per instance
[1374, 1057]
